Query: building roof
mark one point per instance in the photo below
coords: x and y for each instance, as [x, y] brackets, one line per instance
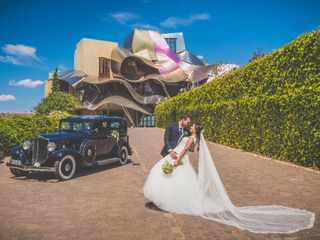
[91, 118]
[190, 58]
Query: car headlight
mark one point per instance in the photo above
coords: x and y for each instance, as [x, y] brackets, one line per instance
[51, 146]
[26, 145]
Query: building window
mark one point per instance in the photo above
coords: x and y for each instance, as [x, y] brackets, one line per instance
[172, 43]
[104, 67]
[148, 121]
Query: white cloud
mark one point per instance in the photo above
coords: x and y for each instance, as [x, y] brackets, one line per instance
[10, 59]
[128, 18]
[4, 98]
[19, 54]
[174, 22]
[122, 17]
[20, 50]
[26, 83]
[145, 26]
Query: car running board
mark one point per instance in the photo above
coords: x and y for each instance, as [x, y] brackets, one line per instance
[106, 161]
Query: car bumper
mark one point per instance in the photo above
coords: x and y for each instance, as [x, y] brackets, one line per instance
[30, 168]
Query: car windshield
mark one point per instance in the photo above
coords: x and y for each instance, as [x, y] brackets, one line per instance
[75, 126]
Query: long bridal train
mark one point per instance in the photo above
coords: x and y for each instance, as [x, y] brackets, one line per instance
[204, 195]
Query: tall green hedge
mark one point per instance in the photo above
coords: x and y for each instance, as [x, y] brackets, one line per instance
[270, 106]
[18, 128]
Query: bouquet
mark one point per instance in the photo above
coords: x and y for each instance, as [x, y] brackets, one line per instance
[115, 134]
[167, 168]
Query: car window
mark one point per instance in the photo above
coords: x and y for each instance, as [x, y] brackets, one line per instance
[76, 126]
[87, 125]
[65, 126]
[71, 126]
[115, 125]
[101, 128]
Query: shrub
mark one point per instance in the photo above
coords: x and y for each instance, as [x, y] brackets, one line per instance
[269, 106]
[257, 54]
[18, 128]
[57, 101]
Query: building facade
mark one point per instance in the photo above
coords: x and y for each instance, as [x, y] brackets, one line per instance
[129, 80]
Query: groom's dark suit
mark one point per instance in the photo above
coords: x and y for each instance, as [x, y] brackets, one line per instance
[171, 137]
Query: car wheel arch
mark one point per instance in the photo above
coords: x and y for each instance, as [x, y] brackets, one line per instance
[58, 155]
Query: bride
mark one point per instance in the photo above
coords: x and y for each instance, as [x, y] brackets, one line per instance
[183, 191]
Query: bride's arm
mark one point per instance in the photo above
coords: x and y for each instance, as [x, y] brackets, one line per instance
[184, 151]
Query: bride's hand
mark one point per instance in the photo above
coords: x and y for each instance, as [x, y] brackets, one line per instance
[175, 163]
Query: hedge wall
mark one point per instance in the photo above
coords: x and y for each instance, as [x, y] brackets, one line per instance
[16, 129]
[270, 106]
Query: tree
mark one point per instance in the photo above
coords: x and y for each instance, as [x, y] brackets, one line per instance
[257, 54]
[55, 82]
[58, 101]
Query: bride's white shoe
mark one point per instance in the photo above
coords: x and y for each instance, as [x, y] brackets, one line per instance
[183, 191]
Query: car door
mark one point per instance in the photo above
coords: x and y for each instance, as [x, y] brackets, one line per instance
[103, 140]
[113, 125]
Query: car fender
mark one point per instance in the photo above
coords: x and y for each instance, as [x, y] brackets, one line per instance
[17, 153]
[59, 154]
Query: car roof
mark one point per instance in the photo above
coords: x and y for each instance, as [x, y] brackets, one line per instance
[92, 118]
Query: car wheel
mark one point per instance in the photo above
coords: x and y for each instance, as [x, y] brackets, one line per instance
[123, 155]
[65, 168]
[88, 151]
[18, 173]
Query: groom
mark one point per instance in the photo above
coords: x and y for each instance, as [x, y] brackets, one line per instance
[173, 135]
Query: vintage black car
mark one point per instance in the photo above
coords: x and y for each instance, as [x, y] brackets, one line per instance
[81, 141]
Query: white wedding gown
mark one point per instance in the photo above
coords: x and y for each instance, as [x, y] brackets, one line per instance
[204, 195]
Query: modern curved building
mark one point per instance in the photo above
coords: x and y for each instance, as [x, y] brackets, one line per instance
[129, 80]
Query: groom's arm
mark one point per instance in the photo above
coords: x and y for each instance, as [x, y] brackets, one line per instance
[167, 136]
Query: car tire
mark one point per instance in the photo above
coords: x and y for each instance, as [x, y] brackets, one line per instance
[123, 155]
[65, 168]
[18, 173]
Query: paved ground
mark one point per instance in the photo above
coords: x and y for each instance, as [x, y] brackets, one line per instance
[107, 202]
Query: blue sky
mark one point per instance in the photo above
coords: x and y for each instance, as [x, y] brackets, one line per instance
[37, 36]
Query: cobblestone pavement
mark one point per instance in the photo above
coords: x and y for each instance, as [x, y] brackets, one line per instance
[107, 202]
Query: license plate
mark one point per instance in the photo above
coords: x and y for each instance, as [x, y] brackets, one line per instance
[16, 162]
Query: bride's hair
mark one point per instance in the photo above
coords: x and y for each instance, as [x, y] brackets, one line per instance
[198, 128]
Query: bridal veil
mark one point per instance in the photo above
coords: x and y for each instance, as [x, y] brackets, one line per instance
[217, 205]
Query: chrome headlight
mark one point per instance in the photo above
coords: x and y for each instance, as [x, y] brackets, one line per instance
[26, 145]
[51, 146]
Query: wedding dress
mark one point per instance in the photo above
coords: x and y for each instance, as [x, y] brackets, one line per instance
[183, 191]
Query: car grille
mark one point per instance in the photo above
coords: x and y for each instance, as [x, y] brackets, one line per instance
[39, 150]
